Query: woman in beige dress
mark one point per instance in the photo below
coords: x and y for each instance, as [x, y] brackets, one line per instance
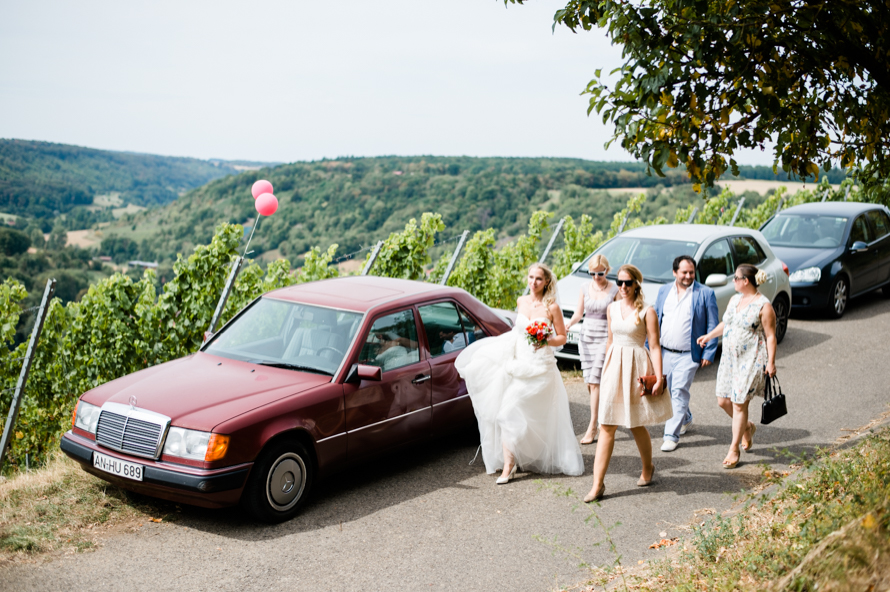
[631, 322]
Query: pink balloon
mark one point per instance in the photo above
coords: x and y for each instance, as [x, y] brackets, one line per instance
[260, 187]
[266, 204]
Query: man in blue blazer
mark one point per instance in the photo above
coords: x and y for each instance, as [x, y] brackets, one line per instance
[686, 311]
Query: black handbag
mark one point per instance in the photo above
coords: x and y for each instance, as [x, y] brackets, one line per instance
[773, 401]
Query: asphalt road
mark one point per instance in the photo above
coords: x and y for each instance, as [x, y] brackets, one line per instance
[427, 520]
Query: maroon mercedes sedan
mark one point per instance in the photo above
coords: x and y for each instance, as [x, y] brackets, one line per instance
[303, 382]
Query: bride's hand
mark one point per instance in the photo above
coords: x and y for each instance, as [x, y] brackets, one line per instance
[659, 384]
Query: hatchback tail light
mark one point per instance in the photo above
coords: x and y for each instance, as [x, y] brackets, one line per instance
[785, 268]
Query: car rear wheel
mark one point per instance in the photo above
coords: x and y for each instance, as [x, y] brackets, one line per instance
[885, 291]
[783, 311]
[279, 483]
[837, 297]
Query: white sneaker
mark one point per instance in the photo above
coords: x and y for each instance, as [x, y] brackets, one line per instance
[685, 427]
[669, 446]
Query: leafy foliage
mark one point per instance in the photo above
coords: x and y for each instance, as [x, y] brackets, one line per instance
[701, 81]
[405, 254]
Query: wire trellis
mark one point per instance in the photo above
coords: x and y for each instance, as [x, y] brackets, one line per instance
[352, 255]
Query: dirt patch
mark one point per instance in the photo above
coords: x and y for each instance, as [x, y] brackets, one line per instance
[83, 239]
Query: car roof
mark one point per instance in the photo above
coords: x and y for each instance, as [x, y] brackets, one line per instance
[832, 208]
[686, 232]
[358, 293]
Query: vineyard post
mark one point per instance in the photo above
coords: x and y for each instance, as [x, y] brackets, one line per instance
[221, 305]
[737, 210]
[847, 193]
[623, 223]
[825, 195]
[781, 203]
[692, 215]
[26, 368]
[549, 246]
[460, 246]
[373, 258]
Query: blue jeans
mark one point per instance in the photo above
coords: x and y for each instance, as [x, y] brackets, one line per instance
[680, 371]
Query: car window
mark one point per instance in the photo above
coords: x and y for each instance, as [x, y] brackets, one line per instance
[442, 326]
[860, 231]
[654, 257]
[391, 342]
[747, 250]
[805, 231]
[716, 259]
[880, 223]
[471, 329]
[275, 332]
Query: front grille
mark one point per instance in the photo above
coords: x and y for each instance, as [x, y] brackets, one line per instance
[125, 432]
[570, 348]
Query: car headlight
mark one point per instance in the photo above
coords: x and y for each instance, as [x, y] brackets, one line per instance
[195, 445]
[809, 274]
[86, 417]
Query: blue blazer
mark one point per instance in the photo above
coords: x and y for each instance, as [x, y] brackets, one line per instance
[704, 317]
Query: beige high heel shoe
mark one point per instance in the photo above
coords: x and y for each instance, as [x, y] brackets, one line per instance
[503, 480]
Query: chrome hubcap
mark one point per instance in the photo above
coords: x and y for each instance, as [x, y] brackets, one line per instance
[840, 297]
[286, 481]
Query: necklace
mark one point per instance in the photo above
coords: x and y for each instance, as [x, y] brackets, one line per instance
[743, 304]
[596, 288]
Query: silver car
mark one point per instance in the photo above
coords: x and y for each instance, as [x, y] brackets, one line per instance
[717, 251]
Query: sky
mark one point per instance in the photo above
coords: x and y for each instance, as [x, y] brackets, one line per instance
[288, 80]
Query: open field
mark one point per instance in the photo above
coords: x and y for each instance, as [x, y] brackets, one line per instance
[737, 187]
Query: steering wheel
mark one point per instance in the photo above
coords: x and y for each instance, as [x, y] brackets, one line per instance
[333, 349]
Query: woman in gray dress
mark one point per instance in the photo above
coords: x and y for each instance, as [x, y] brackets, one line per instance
[595, 297]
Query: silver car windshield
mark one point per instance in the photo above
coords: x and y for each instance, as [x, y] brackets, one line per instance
[288, 335]
[790, 230]
[653, 256]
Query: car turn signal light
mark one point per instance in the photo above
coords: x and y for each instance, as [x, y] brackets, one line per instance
[216, 447]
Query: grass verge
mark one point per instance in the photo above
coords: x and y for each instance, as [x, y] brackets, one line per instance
[826, 528]
[60, 507]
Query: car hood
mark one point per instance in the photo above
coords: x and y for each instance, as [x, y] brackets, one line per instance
[202, 390]
[569, 287]
[801, 258]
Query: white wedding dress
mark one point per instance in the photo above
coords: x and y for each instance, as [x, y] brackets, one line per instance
[519, 399]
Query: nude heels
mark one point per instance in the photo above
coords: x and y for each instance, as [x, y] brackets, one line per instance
[597, 496]
[504, 480]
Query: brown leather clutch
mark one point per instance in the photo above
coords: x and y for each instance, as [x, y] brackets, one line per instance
[648, 382]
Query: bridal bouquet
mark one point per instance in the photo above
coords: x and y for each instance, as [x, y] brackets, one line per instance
[537, 333]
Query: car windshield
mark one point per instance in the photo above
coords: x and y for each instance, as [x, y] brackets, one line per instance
[288, 335]
[790, 230]
[653, 256]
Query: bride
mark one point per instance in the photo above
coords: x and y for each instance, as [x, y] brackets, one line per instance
[517, 392]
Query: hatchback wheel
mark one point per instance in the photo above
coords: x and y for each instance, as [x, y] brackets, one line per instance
[279, 483]
[885, 291]
[837, 297]
[783, 311]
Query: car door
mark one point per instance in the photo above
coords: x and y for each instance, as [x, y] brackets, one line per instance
[448, 329]
[880, 225]
[717, 258]
[746, 249]
[397, 409]
[861, 262]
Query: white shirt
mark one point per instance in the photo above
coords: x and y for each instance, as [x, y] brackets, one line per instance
[676, 321]
[459, 341]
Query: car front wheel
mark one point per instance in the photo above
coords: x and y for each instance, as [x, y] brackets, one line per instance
[783, 311]
[279, 483]
[837, 297]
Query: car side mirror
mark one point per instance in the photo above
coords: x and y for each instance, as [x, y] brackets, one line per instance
[715, 280]
[208, 335]
[858, 246]
[360, 372]
[575, 266]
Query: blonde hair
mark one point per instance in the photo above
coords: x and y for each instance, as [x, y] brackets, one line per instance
[549, 296]
[599, 261]
[637, 276]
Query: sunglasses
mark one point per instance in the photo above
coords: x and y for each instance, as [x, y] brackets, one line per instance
[737, 278]
[627, 283]
[597, 273]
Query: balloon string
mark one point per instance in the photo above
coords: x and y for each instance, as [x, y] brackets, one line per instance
[252, 230]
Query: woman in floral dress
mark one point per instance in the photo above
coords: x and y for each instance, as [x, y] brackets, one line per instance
[749, 355]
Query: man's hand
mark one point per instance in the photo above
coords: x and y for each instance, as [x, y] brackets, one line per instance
[705, 363]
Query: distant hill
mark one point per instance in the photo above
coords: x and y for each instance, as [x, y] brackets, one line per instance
[43, 180]
[355, 201]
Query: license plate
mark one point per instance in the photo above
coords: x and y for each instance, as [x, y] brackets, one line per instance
[118, 467]
[571, 337]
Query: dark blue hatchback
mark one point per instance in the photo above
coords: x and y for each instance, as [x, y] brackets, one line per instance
[834, 251]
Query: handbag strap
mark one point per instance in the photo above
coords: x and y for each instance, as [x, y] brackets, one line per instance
[768, 392]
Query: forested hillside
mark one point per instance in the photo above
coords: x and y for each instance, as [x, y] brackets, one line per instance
[42, 180]
[356, 201]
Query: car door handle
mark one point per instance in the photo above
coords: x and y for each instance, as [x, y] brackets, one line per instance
[421, 378]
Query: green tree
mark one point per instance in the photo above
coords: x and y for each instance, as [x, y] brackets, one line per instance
[702, 80]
